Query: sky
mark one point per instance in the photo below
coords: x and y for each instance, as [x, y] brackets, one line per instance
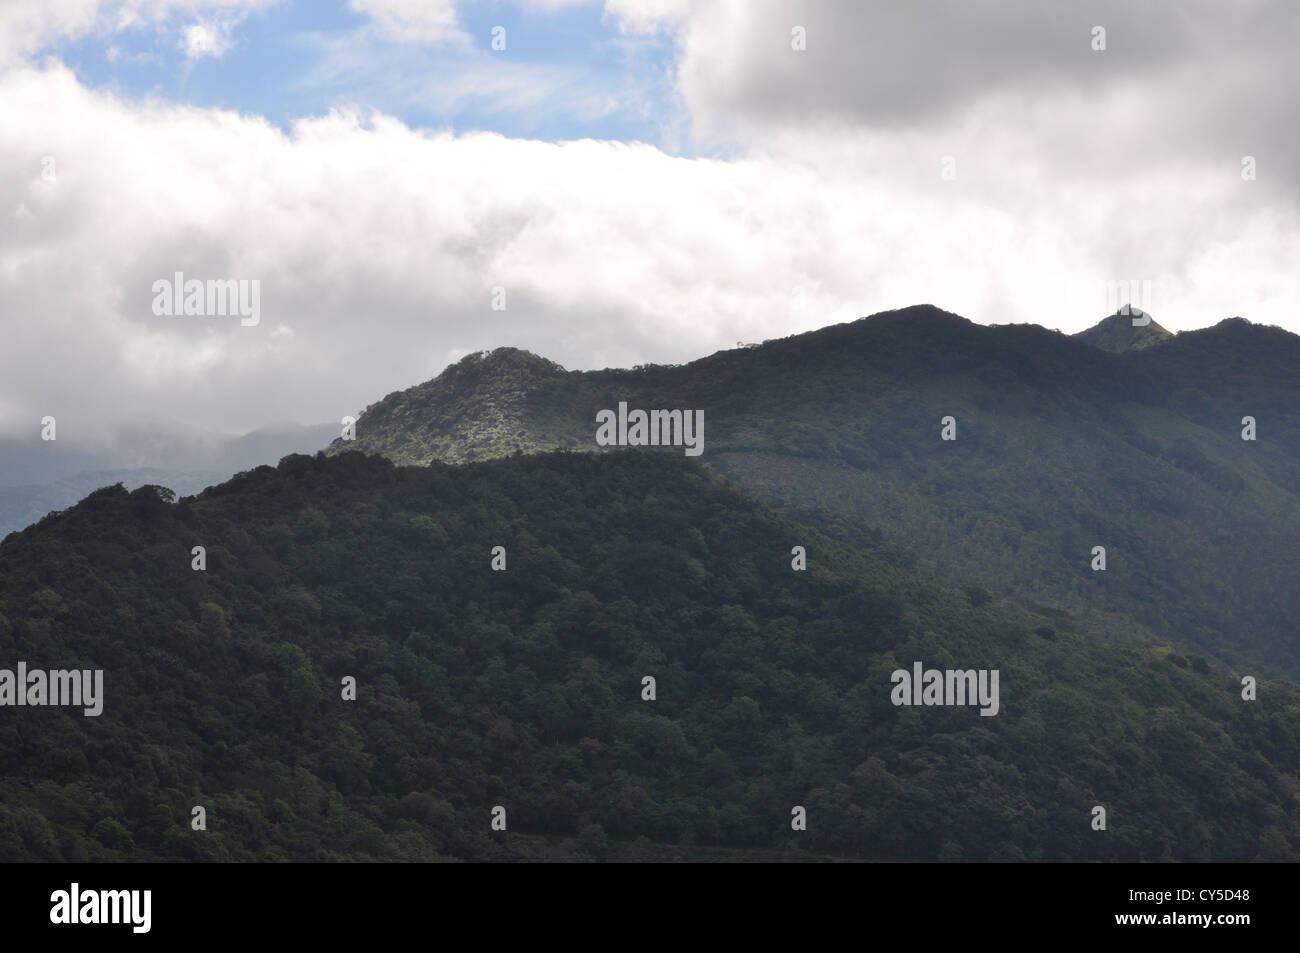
[610, 183]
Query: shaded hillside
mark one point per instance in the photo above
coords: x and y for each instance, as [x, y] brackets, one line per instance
[1060, 447]
[522, 688]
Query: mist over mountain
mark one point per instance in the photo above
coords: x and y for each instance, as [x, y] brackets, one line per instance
[1063, 444]
[39, 476]
[23, 505]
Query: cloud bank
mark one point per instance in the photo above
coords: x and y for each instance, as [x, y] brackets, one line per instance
[989, 161]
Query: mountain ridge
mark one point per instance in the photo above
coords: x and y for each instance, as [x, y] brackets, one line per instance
[1061, 446]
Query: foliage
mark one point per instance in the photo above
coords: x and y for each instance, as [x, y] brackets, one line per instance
[523, 688]
[1061, 446]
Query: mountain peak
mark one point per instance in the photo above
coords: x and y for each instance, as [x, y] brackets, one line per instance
[502, 357]
[486, 404]
[510, 369]
[1118, 334]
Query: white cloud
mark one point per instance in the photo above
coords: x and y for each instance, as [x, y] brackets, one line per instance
[414, 21]
[367, 68]
[29, 28]
[550, 6]
[206, 38]
[379, 246]
[649, 16]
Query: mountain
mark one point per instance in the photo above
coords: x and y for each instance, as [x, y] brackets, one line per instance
[1118, 333]
[1060, 447]
[266, 445]
[523, 688]
[38, 477]
[23, 505]
[485, 405]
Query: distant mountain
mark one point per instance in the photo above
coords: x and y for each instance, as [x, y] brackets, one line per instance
[38, 477]
[1118, 333]
[527, 688]
[267, 444]
[23, 505]
[1061, 446]
[158, 444]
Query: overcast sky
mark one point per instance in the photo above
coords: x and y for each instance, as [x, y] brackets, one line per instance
[647, 180]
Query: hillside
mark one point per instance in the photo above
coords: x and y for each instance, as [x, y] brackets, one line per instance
[522, 688]
[1118, 334]
[1061, 447]
[486, 405]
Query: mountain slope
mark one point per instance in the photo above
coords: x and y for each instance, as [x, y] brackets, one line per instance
[1061, 447]
[1118, 334]
[457, 418]
[522, 688]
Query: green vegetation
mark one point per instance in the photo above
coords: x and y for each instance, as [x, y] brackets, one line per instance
[1117, 333]
[523, 688]
[1061, 446]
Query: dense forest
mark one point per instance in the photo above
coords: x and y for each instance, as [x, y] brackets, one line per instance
[1060, 446]
[523, 688]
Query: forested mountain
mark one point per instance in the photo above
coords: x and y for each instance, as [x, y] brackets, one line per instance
[523, 688]
[1061, 446]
